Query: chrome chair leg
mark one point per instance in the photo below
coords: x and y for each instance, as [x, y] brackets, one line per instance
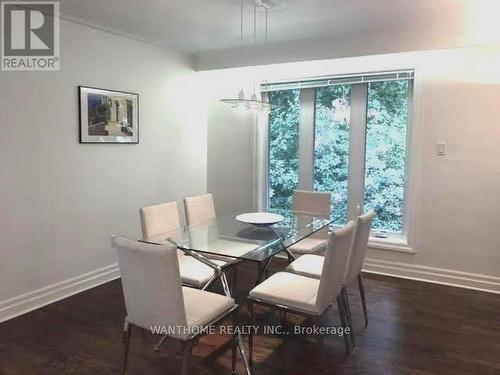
[348, 313]
[234, 345]
[340, 306]
[233, 358]
[186, 353]
[243, 355]
[321, 343]
[250, 336]
[363, 297]
[127, 333]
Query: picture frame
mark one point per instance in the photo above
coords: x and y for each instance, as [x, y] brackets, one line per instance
[108, 116]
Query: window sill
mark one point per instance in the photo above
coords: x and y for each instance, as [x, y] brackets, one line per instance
[394, 242]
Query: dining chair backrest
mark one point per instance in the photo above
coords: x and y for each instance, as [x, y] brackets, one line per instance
[312, 202]
[335, 265]
[359, 245]
[159, 218]
[151, 283]
[199, 209]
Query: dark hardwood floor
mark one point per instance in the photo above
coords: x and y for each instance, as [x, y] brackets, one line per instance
[415, 328]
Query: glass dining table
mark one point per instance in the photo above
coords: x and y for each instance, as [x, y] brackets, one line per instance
[225, 238]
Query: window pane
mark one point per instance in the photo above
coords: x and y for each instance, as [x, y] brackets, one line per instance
[283, 147]
[331, 146]
[386, 153]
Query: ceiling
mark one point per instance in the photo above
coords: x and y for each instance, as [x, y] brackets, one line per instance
[194, 26]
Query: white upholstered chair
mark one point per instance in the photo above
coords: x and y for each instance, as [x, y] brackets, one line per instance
[359, 245]
[311, 265]
[311, 203]
[199, 209]
[309, 296]
[164, 218]
[155, 298]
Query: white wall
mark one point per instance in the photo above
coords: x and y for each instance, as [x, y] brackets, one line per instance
[60, 201]
[230, 148]
[230, 162]
[455, 213]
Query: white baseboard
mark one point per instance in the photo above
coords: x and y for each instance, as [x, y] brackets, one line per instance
[443, 276]
[25, 303]
[36, 299]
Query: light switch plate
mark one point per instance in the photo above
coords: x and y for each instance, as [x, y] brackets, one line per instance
[441, 148]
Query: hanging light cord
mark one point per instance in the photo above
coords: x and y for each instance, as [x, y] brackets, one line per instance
[254, 23]
[253, 101]
[254, 44]
[267, 25]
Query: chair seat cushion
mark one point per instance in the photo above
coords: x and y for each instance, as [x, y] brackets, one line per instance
[308, 265]
[193, 272]
[203, 307]
[294, 291]
[309, 245]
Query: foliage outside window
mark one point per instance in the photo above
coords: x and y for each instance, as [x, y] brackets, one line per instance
[331, 146]
[386, 105]
[387, 117]
[283, 147]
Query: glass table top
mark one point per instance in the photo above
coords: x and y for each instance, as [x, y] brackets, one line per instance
[227, 237]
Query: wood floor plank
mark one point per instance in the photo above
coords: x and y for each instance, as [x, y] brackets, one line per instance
[415, 328]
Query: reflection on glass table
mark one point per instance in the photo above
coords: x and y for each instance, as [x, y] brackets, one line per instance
[227, 238]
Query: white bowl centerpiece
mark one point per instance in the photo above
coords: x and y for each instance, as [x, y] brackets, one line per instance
[260, 219]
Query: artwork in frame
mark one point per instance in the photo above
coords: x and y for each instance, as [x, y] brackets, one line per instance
[108, 116]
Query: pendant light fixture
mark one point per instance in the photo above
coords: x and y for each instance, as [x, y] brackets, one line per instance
[253, 104]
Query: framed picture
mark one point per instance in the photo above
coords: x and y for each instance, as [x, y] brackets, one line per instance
[108, 116]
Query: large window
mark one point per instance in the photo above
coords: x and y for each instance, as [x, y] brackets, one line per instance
[344, 135]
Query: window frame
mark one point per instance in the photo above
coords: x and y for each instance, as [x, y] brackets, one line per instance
[400, 242]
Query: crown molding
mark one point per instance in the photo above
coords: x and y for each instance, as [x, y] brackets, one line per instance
[110, 30]
[92, 25]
